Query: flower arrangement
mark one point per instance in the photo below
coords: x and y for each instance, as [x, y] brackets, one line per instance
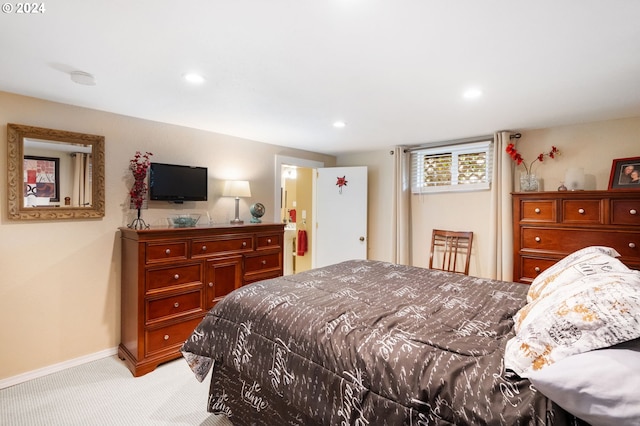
[515, 156]
[139, 165]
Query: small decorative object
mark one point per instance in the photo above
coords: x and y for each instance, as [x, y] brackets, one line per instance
[562, 187]
[342, 181]
[139, 166]
[528, 180]
[575, 179]
[625, 173]
[257, 210]
[183, 220]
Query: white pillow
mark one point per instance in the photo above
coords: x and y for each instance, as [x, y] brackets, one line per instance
[586, 261]
[593, 312]
[599, 387]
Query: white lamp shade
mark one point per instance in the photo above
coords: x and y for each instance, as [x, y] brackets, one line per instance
[236, 188]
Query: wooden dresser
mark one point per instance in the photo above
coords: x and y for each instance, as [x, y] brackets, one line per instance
[172, 276]
[547, 226]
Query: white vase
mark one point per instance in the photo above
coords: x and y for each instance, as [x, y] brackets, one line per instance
[574, 179]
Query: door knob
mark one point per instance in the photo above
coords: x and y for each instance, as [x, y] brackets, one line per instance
[361, 238]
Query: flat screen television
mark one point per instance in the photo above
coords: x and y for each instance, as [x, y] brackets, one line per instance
[173, 182]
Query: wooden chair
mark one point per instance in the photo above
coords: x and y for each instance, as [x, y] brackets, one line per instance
[450, 245]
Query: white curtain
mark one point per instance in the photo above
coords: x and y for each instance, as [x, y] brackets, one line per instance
[82, 192]
[401, 207]
[501, 222]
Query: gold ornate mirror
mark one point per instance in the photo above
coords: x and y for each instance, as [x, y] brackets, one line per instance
[54, 174]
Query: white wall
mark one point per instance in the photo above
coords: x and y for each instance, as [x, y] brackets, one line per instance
[592, 146]
[59, 291]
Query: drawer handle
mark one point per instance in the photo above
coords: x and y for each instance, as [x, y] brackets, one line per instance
[269, 241]
[167, 251]
[581, 211]
[633, 211]
[204, 248]
[244, 244]
[175, 305]
[538, 239]
[166, 337]
[264, 262]
[632, 245]
[537, 210]
[210, 284]
[537, 269]
[176, 276]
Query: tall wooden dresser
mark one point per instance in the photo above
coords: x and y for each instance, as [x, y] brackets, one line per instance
[547, 226]
[172, 276]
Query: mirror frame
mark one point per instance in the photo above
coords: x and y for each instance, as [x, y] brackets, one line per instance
[15, 145]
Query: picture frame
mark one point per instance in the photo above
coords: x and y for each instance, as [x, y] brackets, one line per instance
[625, 173]
[41, 177]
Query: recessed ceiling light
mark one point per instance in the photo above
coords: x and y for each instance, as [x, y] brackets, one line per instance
[472, 93]
[83, 78]
[194, 78]
[339, 124]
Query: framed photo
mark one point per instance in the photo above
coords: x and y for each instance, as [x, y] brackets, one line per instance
[41, 177]
[625, 173]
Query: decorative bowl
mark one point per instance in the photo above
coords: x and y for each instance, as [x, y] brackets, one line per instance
[183, 220]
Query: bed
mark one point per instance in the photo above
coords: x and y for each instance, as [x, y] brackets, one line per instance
[369, 343]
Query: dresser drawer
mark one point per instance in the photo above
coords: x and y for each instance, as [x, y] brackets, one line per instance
[271, 241]
[204, 248]
[170, 337]
[159, 278]
[582, 211]
[538, 211]
[173, 306]
[565, 241]
[625, 212]
[166, 251]
[532, 267]
[263, 262]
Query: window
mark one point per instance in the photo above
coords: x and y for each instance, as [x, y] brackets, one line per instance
[465, 167]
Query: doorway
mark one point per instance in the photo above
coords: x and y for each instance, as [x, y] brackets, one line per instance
[295, 194]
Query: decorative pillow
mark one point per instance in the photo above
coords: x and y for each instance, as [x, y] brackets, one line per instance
[599, 387]
[593, 312]
[586, 261]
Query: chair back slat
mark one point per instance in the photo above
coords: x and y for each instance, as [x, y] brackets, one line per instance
[451, 244]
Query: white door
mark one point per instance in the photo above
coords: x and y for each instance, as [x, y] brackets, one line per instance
[341, 215]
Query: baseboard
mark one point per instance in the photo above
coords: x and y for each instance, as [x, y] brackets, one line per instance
[30, 375]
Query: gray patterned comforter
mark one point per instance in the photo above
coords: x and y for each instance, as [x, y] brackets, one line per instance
[366, 343]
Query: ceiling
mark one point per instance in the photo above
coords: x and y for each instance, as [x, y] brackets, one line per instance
[282, 71]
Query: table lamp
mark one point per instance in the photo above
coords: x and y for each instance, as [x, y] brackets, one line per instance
[237, 188]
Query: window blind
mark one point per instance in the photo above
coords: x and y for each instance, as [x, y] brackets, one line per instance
[464, 167]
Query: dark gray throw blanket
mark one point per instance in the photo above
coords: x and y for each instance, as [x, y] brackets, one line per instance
[367, 343]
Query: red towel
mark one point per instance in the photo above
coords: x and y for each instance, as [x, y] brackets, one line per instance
[302, 242]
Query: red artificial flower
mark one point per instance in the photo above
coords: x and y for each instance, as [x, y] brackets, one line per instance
[342, 181]
[515, 156]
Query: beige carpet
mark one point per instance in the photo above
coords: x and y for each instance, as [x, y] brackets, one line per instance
[104, 392]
